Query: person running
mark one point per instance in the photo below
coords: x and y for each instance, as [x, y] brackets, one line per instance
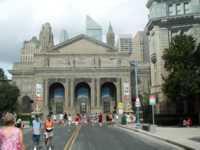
[11, 137]
[100, 119]
[36, 131]
[69, 119]
[65, 118]
[48, 127]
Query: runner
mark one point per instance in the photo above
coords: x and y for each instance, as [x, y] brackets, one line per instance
[69, 119]
[100, 119]
[36, 132]
[48, 127]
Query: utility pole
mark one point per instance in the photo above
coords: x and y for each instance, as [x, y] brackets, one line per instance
[137, 102]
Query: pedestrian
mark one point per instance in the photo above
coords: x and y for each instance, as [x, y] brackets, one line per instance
[54, 118]
[61, 119]
[11, 137]
[77, 119]
[48, 127]
[19, 123]
[65, 118]
[69, 119]
[36, 132]
[100, 119]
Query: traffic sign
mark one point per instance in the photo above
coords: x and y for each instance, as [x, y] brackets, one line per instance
[152, 99]
[137, 102]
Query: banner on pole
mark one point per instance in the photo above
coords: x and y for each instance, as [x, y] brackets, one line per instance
[152, 100]
[39, 91]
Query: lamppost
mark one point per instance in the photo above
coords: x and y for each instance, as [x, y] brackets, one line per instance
[137, 102]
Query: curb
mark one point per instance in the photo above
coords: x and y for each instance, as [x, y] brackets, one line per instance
[157, 137]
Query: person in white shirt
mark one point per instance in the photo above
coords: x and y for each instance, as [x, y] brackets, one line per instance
[36, 131]
[61, 119]
[69, 119]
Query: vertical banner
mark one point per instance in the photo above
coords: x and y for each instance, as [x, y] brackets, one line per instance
[126, 90]
[39, 91]
[38, 97]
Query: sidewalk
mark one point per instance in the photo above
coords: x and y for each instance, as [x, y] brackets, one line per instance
[175, 135]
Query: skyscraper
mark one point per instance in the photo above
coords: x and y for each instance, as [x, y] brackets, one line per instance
[140, 47]
[125, 43]
[93, 29]
[63, 36]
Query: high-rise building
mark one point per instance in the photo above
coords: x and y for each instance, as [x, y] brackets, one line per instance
[93, 29]
[63, 36]
[125, 43]
[46, 37]
[140, 48]
[168, 18]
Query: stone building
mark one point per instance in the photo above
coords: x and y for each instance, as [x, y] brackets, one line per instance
[79, 75]
[168, 18]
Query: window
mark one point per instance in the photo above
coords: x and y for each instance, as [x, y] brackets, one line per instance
[178, 9]
[171, 10]
[186, 8]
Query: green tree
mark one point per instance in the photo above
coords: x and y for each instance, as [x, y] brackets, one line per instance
[182, 62]
[8, 94]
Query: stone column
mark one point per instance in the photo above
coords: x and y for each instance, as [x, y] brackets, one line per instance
[66, 94]
[93, 94]
[118, 84]
[98, 92]
[46, 97]
[72, 93]
[46, 93]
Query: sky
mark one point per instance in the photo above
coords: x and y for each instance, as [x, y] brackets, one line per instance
[22, 19]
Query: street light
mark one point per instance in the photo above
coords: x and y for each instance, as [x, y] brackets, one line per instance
[137, 102]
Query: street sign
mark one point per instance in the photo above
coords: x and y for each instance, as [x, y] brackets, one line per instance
[137, 102]
[152, 100]
[120, 105]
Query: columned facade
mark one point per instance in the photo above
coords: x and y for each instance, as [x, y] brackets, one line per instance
[96, 96]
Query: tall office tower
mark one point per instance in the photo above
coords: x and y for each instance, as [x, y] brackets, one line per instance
[125, 43]
[46, 37]
[168, 18]
[30, 48]
[93, 29]
[63, 36]
[110, 36]
[140, 48]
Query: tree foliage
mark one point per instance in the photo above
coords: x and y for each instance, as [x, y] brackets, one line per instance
[8, 94]
[182, 62]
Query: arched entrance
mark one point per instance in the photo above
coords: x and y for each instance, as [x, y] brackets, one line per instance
[56, 98]
[82, 98]
[108, 97]
[26, 104]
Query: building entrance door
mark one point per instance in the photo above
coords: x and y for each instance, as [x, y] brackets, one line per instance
[83, 108]
[59, 107]
[107, 104]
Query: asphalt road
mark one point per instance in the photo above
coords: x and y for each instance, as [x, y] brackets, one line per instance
[100, 138]
[112, 138]
[60, 138]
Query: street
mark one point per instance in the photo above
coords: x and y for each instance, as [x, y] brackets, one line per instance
[101, 138]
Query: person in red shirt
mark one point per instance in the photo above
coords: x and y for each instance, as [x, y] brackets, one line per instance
[189, 122]
[100, 119]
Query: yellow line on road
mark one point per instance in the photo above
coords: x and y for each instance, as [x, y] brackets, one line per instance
[72, 139]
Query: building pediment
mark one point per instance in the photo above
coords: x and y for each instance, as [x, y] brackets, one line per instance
[83, 44]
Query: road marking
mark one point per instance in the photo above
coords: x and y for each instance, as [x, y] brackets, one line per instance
[72, 139]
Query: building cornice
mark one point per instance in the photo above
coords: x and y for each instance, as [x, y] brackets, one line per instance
[170, 21]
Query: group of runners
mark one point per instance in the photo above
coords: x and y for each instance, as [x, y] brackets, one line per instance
[46, 127]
